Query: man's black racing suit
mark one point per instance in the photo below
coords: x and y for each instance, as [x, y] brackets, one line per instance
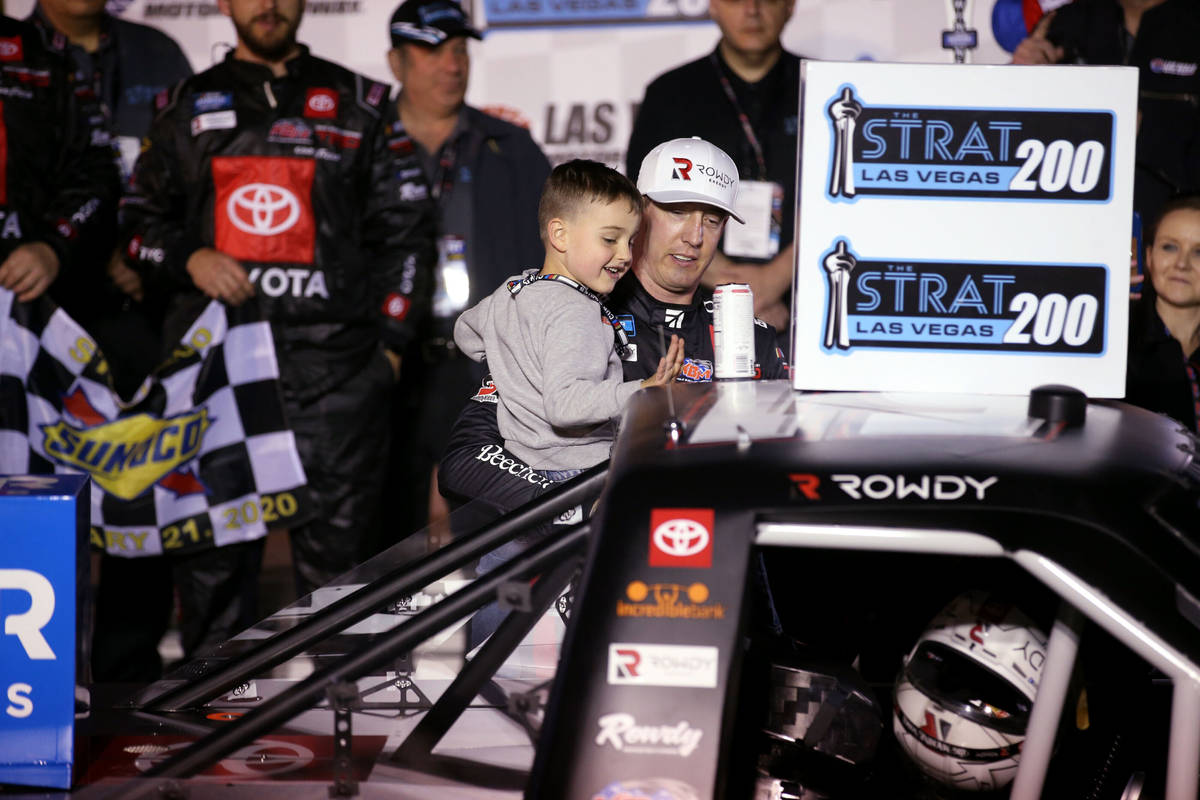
[476, 465]
[58, 173]
[311, 183]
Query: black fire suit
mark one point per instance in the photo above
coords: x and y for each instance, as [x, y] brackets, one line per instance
[58, 174]
[312, 184]
[476, 465]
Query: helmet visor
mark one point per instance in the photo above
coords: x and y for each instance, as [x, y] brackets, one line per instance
[968, 688]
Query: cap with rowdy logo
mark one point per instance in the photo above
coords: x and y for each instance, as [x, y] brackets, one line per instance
[429, 22]
[690, 171]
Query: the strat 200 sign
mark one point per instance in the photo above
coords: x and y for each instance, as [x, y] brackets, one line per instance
[994, 153]
[1027, 308]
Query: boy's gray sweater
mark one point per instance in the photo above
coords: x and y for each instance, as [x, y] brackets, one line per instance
[551, 355]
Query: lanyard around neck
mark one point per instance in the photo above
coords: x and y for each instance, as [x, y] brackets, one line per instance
[621, 341]
[747, 128]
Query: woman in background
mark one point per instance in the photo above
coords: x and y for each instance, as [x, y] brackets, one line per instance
[1163, 373]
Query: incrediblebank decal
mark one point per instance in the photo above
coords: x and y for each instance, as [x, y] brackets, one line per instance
[992, 153]
[945, 305]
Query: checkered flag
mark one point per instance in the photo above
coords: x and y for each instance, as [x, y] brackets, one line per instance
[201, 456]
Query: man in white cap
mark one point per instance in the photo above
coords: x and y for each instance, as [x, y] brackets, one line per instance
[688, 188]
[743, 97]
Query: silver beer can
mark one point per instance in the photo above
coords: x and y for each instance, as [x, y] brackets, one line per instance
[733, 331]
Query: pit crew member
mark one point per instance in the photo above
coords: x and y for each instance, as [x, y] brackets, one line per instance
[58, 177]
[282, 177]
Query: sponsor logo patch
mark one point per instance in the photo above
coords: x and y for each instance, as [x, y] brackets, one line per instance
[681, 537]
[205, 102]
[494, 454]
[11, 48]
[1180, 69]
[340, 138]
[215, 121]
[396, 306]
[290, 131]
[293, 281]
[696, 370]
[622, 732]
[668, 601]
[321, 103]
[263, 208]
[486, 393]
[662, 665]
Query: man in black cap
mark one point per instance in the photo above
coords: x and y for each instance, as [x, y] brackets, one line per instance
[486, 176]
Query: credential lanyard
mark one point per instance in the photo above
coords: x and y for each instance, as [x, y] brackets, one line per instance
[621, 341]
[445, 183]
[747, 129]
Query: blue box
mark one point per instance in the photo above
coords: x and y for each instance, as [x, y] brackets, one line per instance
[43, 591]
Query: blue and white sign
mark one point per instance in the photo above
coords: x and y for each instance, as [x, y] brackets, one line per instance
[42, 547]
[963, 228]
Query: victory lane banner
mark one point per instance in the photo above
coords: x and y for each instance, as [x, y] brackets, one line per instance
[1020, 308]
[200, 457]
[963, 228]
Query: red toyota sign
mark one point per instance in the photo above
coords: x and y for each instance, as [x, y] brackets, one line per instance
[681, 537]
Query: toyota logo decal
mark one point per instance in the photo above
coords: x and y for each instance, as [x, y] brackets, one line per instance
[263, 209]
[681, 538]
[9, 48]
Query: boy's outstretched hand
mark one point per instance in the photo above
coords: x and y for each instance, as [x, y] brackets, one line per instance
[668, 366]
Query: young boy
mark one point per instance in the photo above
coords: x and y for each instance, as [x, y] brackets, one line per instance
[550, 343]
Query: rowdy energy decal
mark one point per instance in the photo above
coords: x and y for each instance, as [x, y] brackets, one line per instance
[993, 153]
[935, 305]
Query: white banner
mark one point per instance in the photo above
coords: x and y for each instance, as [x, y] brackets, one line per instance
[964, 228]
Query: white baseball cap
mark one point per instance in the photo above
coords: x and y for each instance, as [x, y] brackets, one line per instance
[690, 171]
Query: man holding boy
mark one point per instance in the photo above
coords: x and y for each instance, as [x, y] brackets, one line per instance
[683, 216]
[547, 335]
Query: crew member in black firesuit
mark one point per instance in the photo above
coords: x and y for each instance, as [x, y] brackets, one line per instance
[126, 65]
[661, 292]
[278, 176]
[58, 179]
[1162, 39]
